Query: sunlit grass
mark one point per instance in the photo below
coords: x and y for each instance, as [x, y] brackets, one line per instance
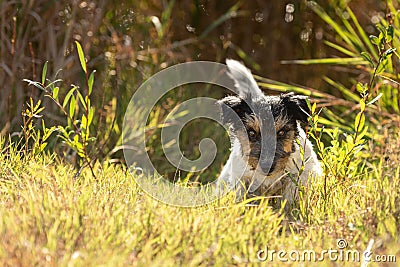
[48, 218]
[51, 216]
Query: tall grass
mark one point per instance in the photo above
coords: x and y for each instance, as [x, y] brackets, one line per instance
[49, 218]
[50, 214]
[370, 56]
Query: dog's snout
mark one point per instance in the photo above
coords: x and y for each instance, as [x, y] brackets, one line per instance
[265, 169]
[266, 166]
[254, 154]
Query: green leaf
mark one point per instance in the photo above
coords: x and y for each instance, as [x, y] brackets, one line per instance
[44, 72]
[362, 105]
[382, 29]
[55, 92]
[72, 106]
[321, 145]
[381, 39]
[374, 39]
[48, 131]
[87, 99]
[91, 81]
[315, 117]
[80, 97]
[389, 34]
[361, 88]
[65, 134]
[92, 139]
[91, 113]
[349, 140]
[84, 123]
[359, 122]
[313, 108]
[368, 58]
[42, 146]
[246, 58]
[81, 56]
[382, 66]
[363, 133]
[68, 96]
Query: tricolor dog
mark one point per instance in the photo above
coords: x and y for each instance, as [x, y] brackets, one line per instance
[267, 139]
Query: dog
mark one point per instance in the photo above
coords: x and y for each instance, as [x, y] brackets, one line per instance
[255, 119]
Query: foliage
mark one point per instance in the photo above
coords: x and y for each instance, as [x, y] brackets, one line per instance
[364, 55]
[38, 137]
[341, 136]
[76, 134]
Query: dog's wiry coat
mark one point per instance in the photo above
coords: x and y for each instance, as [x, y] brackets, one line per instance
[245, 164]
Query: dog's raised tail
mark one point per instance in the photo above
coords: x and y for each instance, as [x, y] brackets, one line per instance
[244, 82]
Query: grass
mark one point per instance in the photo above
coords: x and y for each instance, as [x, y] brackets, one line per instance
[55, 214]
[50, 219]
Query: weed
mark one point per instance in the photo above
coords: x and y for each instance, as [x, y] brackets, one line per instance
[76, 134]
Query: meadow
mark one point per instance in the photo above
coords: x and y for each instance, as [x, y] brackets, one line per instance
[68, 199]
[50, 219]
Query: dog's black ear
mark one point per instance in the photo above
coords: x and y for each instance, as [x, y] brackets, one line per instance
[233, 107]
[296, 106]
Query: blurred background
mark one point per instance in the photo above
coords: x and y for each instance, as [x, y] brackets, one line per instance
[128, 41]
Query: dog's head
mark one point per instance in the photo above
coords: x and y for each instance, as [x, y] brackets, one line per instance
[246, 114]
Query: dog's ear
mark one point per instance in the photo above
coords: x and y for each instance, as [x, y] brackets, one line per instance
[233, 107]
[296, 106]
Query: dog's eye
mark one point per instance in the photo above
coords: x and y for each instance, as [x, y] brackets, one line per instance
[281, 133]
[252, 134]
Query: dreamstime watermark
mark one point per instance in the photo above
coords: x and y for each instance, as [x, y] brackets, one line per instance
[340, 254]
[134, 132]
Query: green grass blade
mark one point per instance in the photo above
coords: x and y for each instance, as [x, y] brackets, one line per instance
[362, 33]
[291, 88]
[231, 13]
[246, 58]
[353, 36]
[334, 124]
[284, 88]
[329, 61]
[341, 49]
[346, 92]
[324, 16]
[166, 14]
[333, 117]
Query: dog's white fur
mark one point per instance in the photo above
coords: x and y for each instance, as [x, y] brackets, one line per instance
[237, 169]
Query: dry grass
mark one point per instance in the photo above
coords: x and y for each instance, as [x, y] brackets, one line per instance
[50, 219]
